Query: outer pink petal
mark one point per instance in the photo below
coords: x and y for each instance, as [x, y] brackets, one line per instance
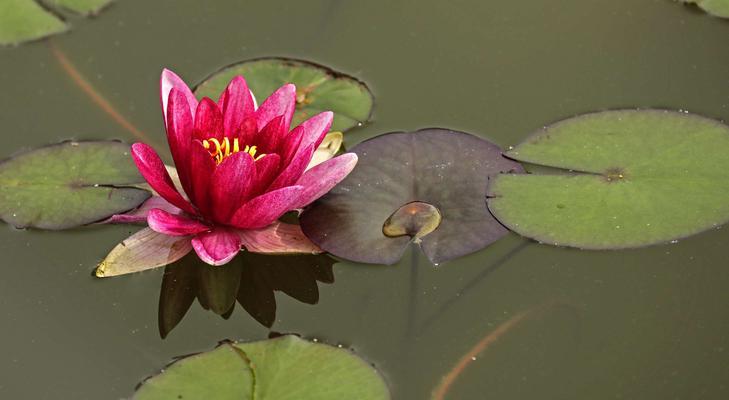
[174, 225]
[278, 238]
[179, 135]
[168, 81]
[263, 210]
[294, 170]
[208, 120]
[322, 178]
[230, 184]
[237, 105]
[218, 246]
[280, 102]
[153, 170]
[315, 129]
[140, 213]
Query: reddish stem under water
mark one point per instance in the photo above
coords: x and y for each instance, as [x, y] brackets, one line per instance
[447, 381]
[95, 96]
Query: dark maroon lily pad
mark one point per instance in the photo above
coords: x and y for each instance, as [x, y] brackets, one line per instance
[445, 169]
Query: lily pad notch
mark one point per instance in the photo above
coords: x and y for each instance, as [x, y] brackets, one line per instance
[319, 88]
[426, 187]
[631, 178]
[286, 367]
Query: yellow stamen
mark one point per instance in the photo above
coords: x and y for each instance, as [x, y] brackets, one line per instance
[219, 151]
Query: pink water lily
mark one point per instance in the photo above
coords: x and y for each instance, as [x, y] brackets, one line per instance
[239, 166]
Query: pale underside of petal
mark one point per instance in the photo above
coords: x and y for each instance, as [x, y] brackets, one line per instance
[327, 149]
[143, 250]
[278, 238]
[218, 246]
[170, 80]
[139, 214]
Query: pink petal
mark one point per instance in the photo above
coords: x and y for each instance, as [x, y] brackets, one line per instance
[315, 129]
[266, 208]
[266, 170]
[230, 184]
[280, 102]
[278, 238]
[322, 178]
[179, 135]
[294, 170]
[218, 246]
[170, 80]
[202, 166]
[237, 105]
[271, 136]
[140, 213]
[153, 170]
[174, 225]
[208, 120]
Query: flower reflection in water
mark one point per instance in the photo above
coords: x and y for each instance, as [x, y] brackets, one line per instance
[250, 279]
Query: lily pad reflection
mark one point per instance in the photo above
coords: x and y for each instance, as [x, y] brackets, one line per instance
[250, 279]
[429, 185]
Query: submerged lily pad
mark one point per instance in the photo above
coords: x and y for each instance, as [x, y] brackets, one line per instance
[83, 7]
[24, 20]
[445, 171]
[287, 367]
[719, 8]
[633, 178]
[69, 184]
[318, 88]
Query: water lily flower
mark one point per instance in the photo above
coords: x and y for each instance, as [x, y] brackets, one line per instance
[240, 167]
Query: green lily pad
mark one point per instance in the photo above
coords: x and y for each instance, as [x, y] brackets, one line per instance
[224, 373]
[426, 187]
[719, 8]
[24, 20]
[284, 368]
[83, 7]
[632, 178]
[318, 88]
[69, 184]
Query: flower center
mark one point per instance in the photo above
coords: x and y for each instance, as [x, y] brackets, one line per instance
[219, 150]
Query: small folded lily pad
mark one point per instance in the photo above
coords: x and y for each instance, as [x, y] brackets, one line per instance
[26, 20]
[426, 187]
[82, 7]
[719, 8]
[69, 184]
[631, 178]
[287, 367]
[318, 88]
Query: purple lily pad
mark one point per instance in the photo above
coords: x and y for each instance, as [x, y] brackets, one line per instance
[405, 173]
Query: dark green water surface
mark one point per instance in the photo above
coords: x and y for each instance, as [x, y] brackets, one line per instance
[639, 324]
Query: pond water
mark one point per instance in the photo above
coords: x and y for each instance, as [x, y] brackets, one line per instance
[639, 324]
